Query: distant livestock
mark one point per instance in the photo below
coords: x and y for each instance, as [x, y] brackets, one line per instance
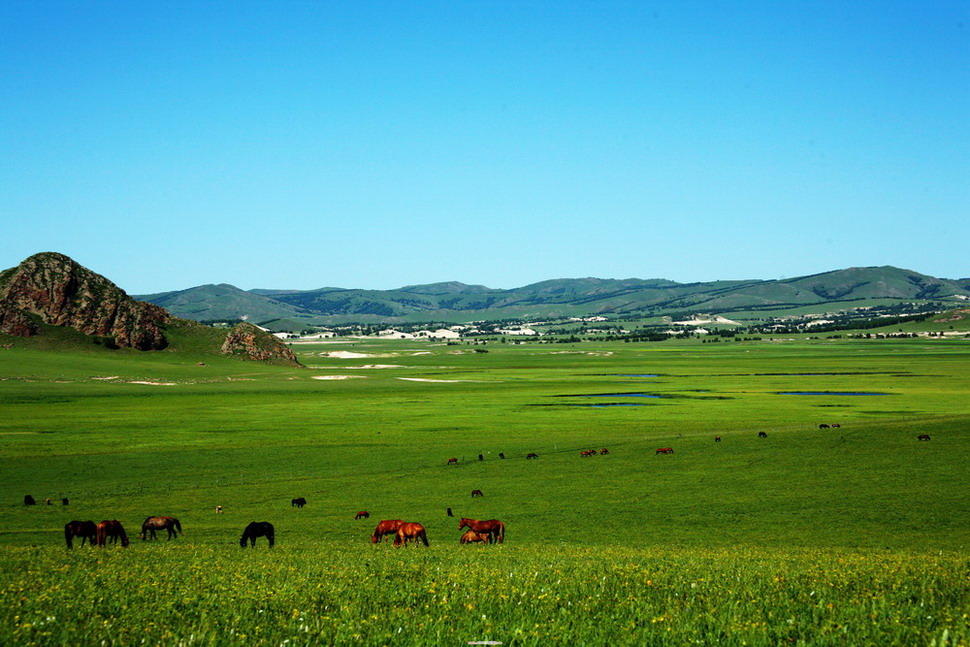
[665, 450]
[532, 455]
[449, 512]
[762, 434]
[29, 500]
[64, 501]
[452, 461]
[472, 537]
[481, 457]
[258, 529]
[604, 451]
[363, 514]
[299, 503]
[717, 439]
[923, 437]
[501, 455]
[476, 493]
[823, 426]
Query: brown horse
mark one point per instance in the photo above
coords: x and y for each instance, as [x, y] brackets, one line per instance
[476, 493]
[923, 437]
[152, 524]
[531, 455]
[452, 461]
[665, 450]
[472, 537]
[413, 532]
[385, 527]
[83, 529]
[494, 528]
[604, 451]
[363, 514]
[112, 530]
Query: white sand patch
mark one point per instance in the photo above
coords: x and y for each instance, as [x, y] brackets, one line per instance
[336, 377]
[424, 352]
[344, 354]
[366, 366]
[152, 383]
[110, 377]
[425, 379]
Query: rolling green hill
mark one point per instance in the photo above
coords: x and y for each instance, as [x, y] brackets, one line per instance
[458, 302]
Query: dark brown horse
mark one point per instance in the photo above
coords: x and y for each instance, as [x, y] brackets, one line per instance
[363, 514]
[258, 529]
[604, 451]
[410, 532]
[494, 528]
[472, 537]
[385, 527]
[86, 530]
[452, 461]
[153, 524]
[476, 493]
[531, 455]
[300, 502]
[112, 530]
[923, 437]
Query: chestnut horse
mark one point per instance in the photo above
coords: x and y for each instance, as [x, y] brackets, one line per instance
[83, 529]
[363, 514]
[171, 524]
[258, 529]
[476, 493]
[452, 461]
[665, 450]
[385, 527]
[410, 532]
[494, 528]
[112, 530]
[472, 537]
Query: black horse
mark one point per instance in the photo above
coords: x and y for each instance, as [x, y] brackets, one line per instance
[86, 530]
[298, 502]
[29, 500]
[258, 529]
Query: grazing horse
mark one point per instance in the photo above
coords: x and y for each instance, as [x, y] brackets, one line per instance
[363, 514]
[532, 455]
[472, 537]
[112, 530]
[385, 527]
[258, 529]
[923, 437]
[298, 502]
[476, 493]
[823, 426]
[152, 524]
[587, 453]
[717, 439]
[410, 532]
[452, 461]
[29, 500]
[494, 528]
[604, 452]
[762, 434]
[665, 450]
[836, 425]
[83, 529]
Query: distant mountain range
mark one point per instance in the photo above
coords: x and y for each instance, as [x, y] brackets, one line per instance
[458, 302]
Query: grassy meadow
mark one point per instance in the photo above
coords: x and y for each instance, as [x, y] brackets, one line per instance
[853, 535]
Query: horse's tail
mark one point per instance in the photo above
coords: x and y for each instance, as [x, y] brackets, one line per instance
[68, 536]
[178, 526]
[271, 536]
[501, 532]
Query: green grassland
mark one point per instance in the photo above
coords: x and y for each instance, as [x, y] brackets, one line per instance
[850, 535]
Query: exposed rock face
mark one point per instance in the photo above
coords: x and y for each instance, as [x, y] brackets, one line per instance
[61, 292]
[249, 342]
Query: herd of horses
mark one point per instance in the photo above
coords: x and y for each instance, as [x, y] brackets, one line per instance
[112, 531]
[491, 531]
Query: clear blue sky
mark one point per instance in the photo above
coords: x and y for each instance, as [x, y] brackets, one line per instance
[378, 144]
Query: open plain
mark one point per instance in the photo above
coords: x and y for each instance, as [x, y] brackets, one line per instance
[852, 534]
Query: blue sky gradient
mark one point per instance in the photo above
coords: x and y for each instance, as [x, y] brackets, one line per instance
[379, 144]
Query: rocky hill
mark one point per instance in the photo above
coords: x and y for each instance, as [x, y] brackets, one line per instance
[52, 290]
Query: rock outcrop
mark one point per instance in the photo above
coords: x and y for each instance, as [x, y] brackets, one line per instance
[246, 341]
[60, 292]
